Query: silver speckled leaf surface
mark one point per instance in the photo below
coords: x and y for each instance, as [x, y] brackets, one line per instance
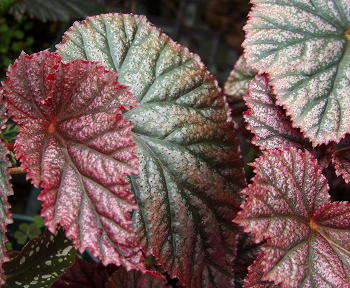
[307, 236]
[302, 45]
[189, 167]
[5, 192]
[268, 121]
[76, 144]
[40, 262]
[237, 82]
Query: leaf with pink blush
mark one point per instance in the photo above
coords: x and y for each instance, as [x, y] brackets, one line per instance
[307, 236]
[268, 121]
[75, 142]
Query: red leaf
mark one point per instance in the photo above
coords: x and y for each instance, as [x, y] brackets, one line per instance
[75, 142]
[308, 238]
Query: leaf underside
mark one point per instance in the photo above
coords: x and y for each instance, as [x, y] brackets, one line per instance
[307, 236]
[58, 10]
[40, 262]
[303, 48]
[76, 144]
[5, 192]
[189, 167]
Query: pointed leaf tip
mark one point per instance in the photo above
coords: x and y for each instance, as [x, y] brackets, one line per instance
[307, 236]
[75, 142]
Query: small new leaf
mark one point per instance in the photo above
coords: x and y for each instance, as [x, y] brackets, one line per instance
[304, 47]
[40, 262]
[307, 236]
[76, 144]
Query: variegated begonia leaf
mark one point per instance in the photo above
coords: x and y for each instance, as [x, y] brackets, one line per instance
[304, 47]
[307, 236]
[40, 262]
[237, 82]
[273, 129]
[268, 121]
[75, 142]
[189, 166]
[5, 192]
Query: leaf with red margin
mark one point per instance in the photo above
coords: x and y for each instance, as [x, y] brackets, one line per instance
[271, 127]
[76, 144]
[267, 121]
[134, 279]
[307, 237]
[190, 168]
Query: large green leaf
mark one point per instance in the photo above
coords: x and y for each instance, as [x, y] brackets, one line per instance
[304, 47]
[189, 165]
[40, 262]
[56, 10]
